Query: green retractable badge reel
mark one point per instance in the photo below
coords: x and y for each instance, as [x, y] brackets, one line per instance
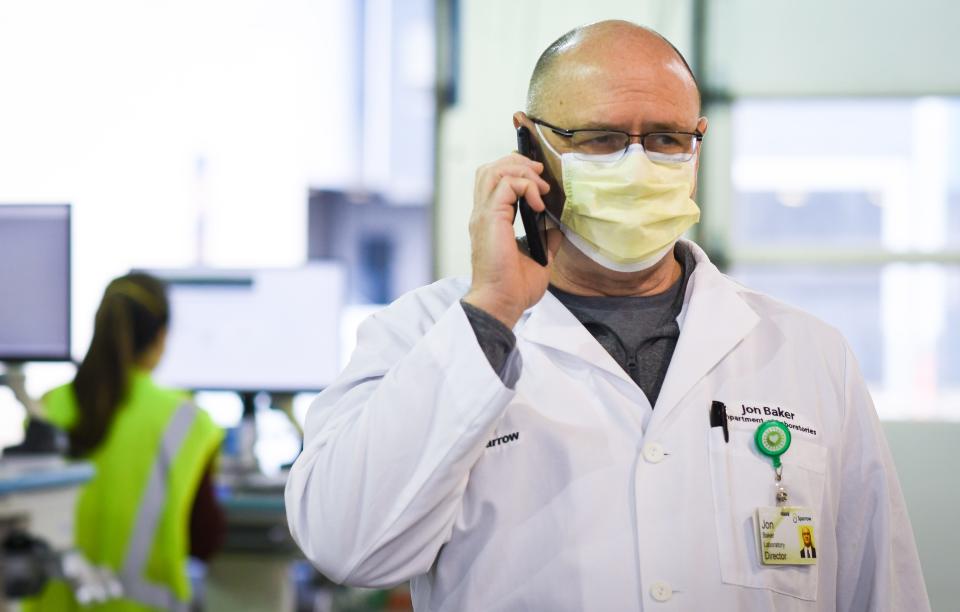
[773, 440]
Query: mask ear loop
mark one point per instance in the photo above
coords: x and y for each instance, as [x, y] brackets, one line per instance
[546, 142]
[549, 215]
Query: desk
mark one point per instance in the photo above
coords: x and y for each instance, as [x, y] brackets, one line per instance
[252, 573]
[39, 494]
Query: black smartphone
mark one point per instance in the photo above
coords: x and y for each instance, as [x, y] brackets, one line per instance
[534, 223]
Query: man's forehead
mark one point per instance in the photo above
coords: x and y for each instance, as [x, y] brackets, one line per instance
[613, 64]
[584, 71]
[613, 93]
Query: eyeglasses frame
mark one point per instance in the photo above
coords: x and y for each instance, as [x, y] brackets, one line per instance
[565, 133]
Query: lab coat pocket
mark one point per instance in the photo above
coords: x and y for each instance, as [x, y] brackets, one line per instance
[743, 480]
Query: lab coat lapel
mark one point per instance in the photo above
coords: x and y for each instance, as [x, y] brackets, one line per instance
[714, 321]
[550, 324]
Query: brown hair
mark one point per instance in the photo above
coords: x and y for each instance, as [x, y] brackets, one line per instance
[133, 312]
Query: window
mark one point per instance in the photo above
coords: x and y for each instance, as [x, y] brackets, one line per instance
[850, 209]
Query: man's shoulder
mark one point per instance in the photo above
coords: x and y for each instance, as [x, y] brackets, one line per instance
[433, 299]
[787, 318]
[793, 322]
[420, 308]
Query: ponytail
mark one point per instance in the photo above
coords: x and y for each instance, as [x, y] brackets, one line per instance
[133, 312]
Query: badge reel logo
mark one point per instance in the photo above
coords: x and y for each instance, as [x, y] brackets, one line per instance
[773, 440]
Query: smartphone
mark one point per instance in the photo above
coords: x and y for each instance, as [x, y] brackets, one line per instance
[534, 223]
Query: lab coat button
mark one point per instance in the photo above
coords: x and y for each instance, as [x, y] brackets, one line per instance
[653, 452]
[661, 591]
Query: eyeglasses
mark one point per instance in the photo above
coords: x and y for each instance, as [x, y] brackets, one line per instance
[612, 145]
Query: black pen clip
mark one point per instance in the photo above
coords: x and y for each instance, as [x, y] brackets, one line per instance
[718, 418]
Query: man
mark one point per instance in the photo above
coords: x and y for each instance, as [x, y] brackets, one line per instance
[547, 438]
[808, 551]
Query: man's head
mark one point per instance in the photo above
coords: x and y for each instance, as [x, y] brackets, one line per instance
[544, 73]
[609, 75]
[614, 74]
[806, 535]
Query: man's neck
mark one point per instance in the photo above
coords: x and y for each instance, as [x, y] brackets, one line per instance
[574, 272]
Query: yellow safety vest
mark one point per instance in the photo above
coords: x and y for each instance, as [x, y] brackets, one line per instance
[133, 517]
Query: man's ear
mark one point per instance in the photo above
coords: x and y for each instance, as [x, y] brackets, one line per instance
[520, 118]
[702, 128]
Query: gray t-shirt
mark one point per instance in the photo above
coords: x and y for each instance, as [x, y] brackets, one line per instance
[640, 333]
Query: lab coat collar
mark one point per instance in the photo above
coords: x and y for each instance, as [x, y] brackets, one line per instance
[713, 320]
[549, 323]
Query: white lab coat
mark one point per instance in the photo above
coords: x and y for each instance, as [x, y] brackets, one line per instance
[569, 492]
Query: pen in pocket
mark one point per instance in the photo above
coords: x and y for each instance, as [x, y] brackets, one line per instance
[718, 418]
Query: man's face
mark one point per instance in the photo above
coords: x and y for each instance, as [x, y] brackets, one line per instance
[627, 89]
[805, 534]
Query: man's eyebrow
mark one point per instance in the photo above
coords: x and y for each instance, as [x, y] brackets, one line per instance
[593, 125]
[656, 126]
[663, 126]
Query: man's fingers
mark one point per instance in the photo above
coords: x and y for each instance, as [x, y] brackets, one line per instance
[518, 171]
[514, 159]
[499, 184]
[515, 156]
[526, 172]
[541, 185]
[510, 188]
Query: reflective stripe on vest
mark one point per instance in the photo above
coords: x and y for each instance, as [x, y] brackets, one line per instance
[148, 515]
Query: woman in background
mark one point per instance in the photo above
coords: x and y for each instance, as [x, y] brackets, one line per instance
[150, 504]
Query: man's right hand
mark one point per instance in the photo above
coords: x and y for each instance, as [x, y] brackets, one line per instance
[505, 281]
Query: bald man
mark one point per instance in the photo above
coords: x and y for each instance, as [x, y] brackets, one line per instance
[584, 435]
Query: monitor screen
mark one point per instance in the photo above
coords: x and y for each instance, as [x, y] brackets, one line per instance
[35, 282]
[261, 330]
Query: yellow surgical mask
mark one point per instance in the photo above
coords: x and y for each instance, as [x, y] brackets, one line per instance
[626, 214]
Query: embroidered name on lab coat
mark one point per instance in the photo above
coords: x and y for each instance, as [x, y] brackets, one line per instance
[504, 439]
[758, 413]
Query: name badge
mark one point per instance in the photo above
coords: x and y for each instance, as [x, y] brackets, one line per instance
[786, 535]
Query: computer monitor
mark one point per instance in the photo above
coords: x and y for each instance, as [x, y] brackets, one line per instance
[35, 282]
[261, 330]
[385, 247]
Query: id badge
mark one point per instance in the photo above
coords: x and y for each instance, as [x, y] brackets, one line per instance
[786, 535]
